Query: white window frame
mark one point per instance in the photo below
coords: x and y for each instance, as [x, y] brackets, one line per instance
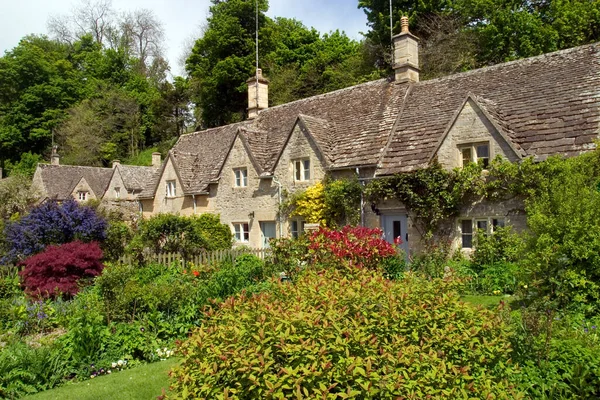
[171, 188]
[83, 195]
[475, 156]
[301, 169]
[241, 231]
[296, 228]
[241, 177]
[117, 193]
[490, 226]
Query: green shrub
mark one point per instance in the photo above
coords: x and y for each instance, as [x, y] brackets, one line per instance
[329, 336]
[184, 235]
[503, 246]
[118, 235]
[560, 355]
[25, 370]
[432, 261]
[498, 278]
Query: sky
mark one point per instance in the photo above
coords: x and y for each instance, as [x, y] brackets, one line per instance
[181, 19]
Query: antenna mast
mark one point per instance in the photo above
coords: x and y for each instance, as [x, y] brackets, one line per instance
[256, 5]
[391, 32]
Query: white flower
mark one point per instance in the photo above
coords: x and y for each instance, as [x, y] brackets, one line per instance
[114, 365]
[109, 371]
[120, 363]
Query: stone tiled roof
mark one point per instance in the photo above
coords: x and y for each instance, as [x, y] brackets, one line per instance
[543, 105]
[134, 177]
[60, 180]
[550, 104]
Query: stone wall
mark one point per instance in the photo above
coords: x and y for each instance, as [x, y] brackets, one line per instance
[472, 126]
[179, 204]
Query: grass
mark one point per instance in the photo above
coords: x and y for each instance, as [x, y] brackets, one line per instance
[484, 301]
[143, 382]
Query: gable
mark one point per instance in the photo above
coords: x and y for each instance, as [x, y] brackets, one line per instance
[83, 186]
[239, 156]
[169, 173]
[473, 125]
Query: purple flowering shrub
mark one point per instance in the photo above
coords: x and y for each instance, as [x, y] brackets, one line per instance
[59, 270]
[52, 223]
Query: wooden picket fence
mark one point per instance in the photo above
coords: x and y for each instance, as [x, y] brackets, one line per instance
[208, 257]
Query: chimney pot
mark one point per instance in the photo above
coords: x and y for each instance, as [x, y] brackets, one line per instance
[156, 159]
[404, 23]
[54, 158]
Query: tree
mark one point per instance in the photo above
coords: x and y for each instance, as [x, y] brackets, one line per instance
[16, 195]
[223, 59]
[94, 17]
[144, 34]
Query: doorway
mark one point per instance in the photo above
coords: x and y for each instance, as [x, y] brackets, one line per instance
[396, 226]
[268, 231]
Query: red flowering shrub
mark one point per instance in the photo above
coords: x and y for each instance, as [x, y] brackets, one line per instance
[58, 270]
[352, 246]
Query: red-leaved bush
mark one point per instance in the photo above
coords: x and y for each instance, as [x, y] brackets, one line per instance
[353, 246]
[58, 270]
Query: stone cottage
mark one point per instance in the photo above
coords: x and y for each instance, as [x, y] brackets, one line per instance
[535, 107]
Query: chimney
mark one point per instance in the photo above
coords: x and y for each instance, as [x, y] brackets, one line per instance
[1, 173]
[257, 99]
[156, 160]
[54, 158]
[406, 55]
[115, 163]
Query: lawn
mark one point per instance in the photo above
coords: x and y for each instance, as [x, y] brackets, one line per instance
[484, 301]
[143, 382]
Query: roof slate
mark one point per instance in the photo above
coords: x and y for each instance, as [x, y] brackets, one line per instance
[543, 105]
[60, 180]
[134, 177]
[550, 104]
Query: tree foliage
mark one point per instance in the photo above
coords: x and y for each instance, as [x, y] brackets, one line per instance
[52, 223]
[482, 32]
[59, 270]
[299, 61]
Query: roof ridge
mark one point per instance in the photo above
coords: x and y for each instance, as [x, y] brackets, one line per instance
[523, 61]
[45, 165]
[209, 130]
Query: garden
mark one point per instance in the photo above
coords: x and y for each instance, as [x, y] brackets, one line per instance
[335, 313]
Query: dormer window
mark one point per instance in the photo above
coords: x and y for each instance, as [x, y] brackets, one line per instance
[171, 188]
[82, 195]
[301, 170]
[476, 152]
[241, 177]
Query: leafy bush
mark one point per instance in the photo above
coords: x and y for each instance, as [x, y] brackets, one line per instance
[342, 202]
[432, 261]
[564, 251]
[185, 235]
[333, 336]
[25, 370]
[351, 246]
[118, 235]
[503, 246]
[60, 270]
[52, 223]
[559, 355]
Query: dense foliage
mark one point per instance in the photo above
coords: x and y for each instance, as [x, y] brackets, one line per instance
[299, 60]
[60, 271]
[465, 34]
[329, 336]
[52, 223]
[184, 235]
[130, 314]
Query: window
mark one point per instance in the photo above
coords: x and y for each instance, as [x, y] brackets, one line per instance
[302, 170]
[479, 153]
[117, 193]
[82, 196]
[241, 177]
[171, 189]
[468, 228]
[242, 232]
[296, 228]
